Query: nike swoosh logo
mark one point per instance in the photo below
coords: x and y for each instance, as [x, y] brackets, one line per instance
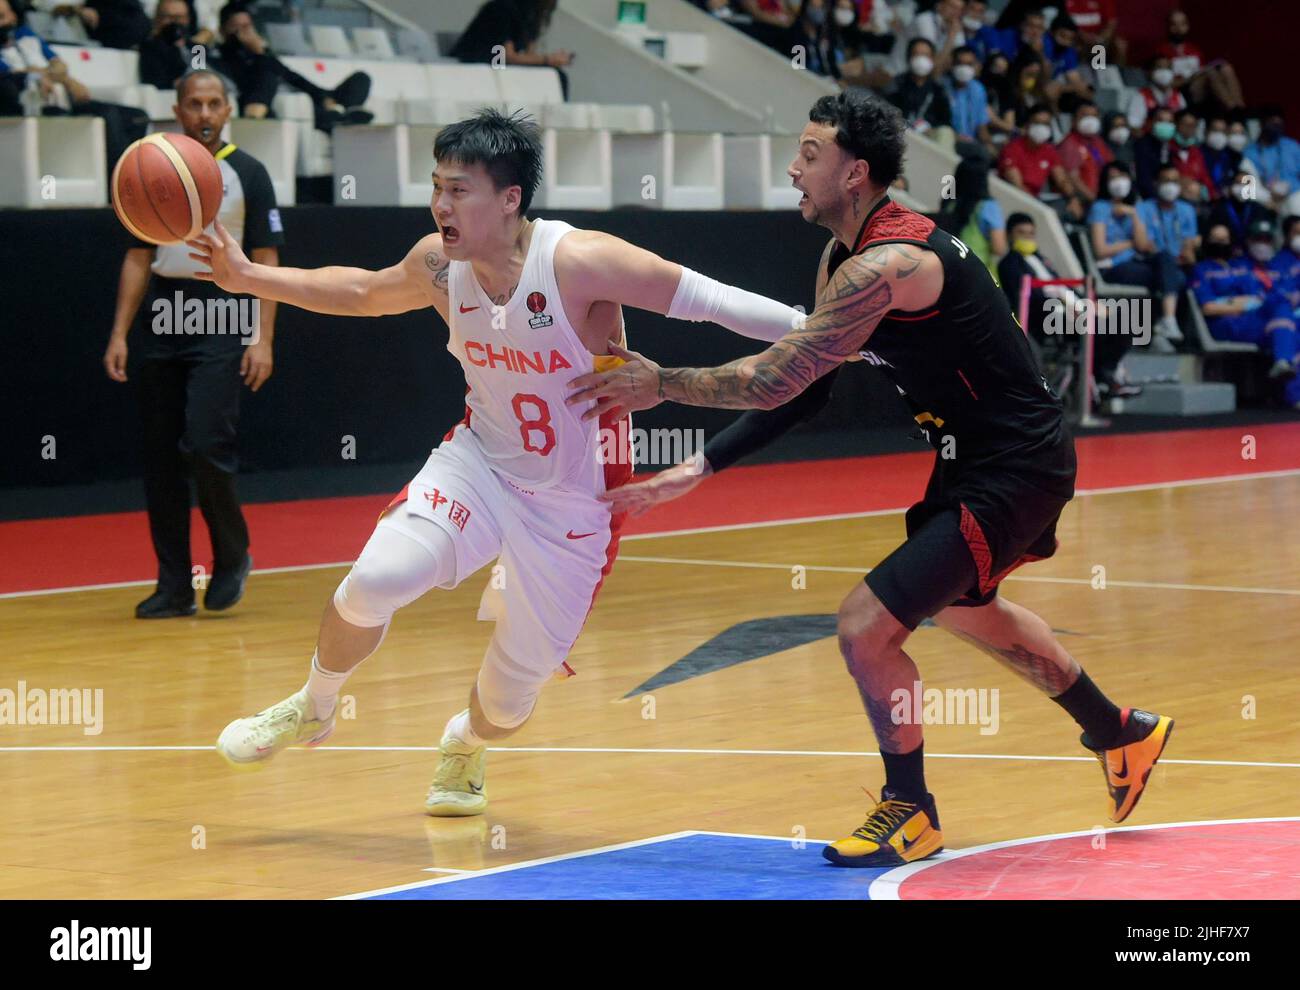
[577, 536]
[465, 309]
[1121, 775]
[476, 788]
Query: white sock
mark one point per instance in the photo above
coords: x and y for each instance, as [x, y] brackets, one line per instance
[458, 727]
[323, 686]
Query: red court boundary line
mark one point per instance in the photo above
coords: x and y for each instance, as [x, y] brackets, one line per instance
[76, 551]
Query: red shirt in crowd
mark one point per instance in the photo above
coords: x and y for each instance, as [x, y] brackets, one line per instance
[1185, 58]
[1190, 162]
[1086, 156]
[1033, 162]
[1091, 15]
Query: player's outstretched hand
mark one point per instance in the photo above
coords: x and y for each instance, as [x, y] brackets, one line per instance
[223, 255]
[665, 486]
[632, 386]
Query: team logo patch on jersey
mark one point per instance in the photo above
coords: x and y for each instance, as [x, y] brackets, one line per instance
[274, 222]
[536, 303]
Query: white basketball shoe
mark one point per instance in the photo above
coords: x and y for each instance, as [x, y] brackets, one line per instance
[248, 741]
[459, 784]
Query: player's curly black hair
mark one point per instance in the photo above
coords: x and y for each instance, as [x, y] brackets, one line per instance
[867, 128]
[509, 147]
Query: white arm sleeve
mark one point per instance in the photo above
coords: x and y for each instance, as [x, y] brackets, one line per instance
[700, 298]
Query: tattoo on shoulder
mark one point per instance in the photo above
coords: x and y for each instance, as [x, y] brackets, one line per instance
[440, 266]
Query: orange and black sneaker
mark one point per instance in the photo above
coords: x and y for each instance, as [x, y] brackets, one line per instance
[896, 832]
[1127, 763]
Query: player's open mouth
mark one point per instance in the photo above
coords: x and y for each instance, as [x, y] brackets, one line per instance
[205, 133]
[803, 199]
[450, 235]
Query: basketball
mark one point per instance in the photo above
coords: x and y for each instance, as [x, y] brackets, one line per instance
[166, 188]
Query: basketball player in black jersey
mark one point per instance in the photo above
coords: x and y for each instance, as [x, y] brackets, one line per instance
[912, 300]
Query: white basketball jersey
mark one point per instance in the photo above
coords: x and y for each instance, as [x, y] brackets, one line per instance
[519, 359]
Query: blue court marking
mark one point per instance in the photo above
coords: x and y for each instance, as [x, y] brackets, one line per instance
[684, 866]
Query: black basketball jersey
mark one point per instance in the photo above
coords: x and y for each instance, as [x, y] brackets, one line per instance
[963, 366]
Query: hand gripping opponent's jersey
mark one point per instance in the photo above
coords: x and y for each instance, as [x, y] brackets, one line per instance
[963, 365]
[518, 361]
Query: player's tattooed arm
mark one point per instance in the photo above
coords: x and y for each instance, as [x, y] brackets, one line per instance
[438, 265]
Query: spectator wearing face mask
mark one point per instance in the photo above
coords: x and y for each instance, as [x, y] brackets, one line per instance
[1185, 156]
[941, 27]
[1241, 208]
[1067, 83]
[1031, 162]
[1160, 94]
[1029, 78]
[920, 97]
[1170, 219]
[1277, 159]
[1126, 253]
[1030, 32]
[1241, 306]
[1084, 152]
[996, 80]
[1119, 138]
[974, 24]
[1153, 150]
[1024, 261]
[967, 97]
[165, 55]
[1221, 161]
[1206, 86]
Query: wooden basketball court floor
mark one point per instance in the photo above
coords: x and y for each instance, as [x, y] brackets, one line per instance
[765, 738]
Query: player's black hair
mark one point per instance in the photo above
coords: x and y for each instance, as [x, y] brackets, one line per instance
[183, 82]
[867, 128]
[510, 148]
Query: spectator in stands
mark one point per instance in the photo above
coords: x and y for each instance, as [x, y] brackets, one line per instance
[1170, 219]
[880, 24]
[514, 28]
[1127, 255]
[1206, 87]
[818, 36]
[1161, 93]
[1024, 261]
[167, 53]
[1221, 161]
[979, 33]
[973, 215]
[1153, 149]
[113, 23]
[257, 73]
[1031, 33]
[967, 98]
[1066, 84]
[1185, 155]
[996, 78]
[941, 27]
[1029, 75]
[1119, 138]
[1241, 306]
[189, 382]
[1084, 152]
[1098, 23]
[1277, 159]
[1238, 136]
[1287, 260]
[920, 96]
[1241, 208]
[27, 61]
[1031, 162]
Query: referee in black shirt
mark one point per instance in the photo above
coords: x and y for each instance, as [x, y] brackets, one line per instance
[199, 343]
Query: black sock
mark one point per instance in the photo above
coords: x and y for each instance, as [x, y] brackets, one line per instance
[1096, 714]
[905, 773]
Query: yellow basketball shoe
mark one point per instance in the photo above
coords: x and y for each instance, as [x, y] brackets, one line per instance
[252, 740]
[896, 832]
[459, 784]
[1128, 763]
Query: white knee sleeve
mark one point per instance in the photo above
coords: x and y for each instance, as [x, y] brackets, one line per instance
[396, 567]
[506, 692]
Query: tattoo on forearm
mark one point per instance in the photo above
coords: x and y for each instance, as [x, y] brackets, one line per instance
[1045, 673]
[854, 303]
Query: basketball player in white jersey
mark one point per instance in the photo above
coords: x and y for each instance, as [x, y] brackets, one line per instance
[531, 304]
